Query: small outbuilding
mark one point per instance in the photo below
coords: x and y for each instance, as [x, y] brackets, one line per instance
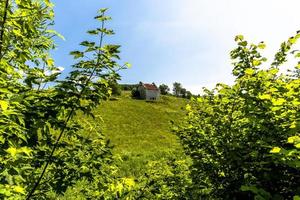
[148, 91]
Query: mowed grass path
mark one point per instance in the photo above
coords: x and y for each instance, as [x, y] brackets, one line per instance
[140, 131]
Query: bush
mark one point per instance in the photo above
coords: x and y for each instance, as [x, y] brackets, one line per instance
[188, 95]
[128, 87]
[164, 89]
[162, 180]
[234, 133]
[115, 88]
[42, 150]
[135, 93]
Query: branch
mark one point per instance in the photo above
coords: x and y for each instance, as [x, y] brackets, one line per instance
[67, 120]
[3, 26]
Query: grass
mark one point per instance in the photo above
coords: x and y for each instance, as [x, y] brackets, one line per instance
[140, 131]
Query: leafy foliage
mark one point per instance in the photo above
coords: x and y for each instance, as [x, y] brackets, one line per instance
[180, 91]
[128, 87]
[177, 87]
[162, 180]
[236, 135]
[115, 88]
[42, 149]
[164, 89]
[135, 93]
[243, 139]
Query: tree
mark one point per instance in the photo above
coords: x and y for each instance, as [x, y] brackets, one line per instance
[128, 87]
[164, 89]
[42, 148]
[188, 95]
[115, 88]
[25, 42]
[183, 92]
[243, 138]
[177, 89]
[135, 93]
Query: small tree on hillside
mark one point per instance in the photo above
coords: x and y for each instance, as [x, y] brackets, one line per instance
[183, 92]
[115, 88]
[177, 89]
[188, 95]
[164, 89]
[135, 93]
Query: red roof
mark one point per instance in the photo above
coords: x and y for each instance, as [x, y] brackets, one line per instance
[150, 86]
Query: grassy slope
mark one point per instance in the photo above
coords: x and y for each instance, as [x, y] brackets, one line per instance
[140, 130]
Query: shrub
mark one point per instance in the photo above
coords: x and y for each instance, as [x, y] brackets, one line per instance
[42, 150]
[115, 88]
[164, 89]
[230, 131]
[163, 180]
[135, 93]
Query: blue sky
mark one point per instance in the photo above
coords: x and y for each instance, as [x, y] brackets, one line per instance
[187, 41]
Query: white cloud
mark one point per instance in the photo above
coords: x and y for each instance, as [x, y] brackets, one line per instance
[202, 32]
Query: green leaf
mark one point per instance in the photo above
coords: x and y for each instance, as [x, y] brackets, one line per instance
[274, 71]
[3, 105]
[48, 3]
[296, 197]
[12, 151]
[293, 139]
[19, 189]
[245, 188]
[256, 62]
[278, 102]
[17, 32]
[128, 65]
[265, 97]
[92, 32]
[56, 33]
[243, 43]
[50, 62]
[102, 18]
[76, 54]
[25, 150]
[4, 191]
[275, 150]
[292, 40]
[102, 10]
[261, 45]
[297, 55]
[87, 44]
[18, 2]
[249, 71]
[239, 38]
[2, 140]
[188, 107]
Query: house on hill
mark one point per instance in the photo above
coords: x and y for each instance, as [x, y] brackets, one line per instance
[148, 91]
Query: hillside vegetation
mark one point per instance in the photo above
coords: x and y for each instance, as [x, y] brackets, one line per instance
[238, 141]
[140, 131]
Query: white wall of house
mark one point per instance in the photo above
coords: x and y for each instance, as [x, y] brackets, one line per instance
[152, 94]
[142, 91]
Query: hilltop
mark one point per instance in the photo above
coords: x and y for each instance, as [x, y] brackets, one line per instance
[140, 131]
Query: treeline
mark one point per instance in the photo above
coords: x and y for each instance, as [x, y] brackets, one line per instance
[178, 90]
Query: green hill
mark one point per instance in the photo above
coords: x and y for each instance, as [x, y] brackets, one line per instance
[140, 131]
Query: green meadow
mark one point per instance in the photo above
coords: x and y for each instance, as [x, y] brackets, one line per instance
[140, 131]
